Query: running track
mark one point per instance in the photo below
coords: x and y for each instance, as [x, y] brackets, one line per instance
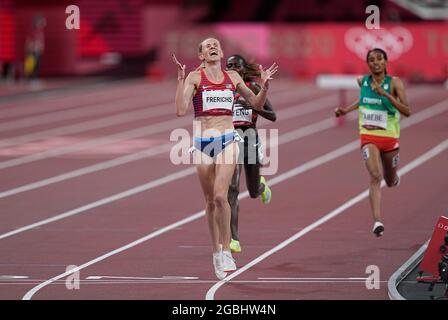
[86, 180]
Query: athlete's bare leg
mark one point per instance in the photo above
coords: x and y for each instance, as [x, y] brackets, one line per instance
[206, 174]
[254, 186]
[372, 159]
[224, 170]
[251, 163]
[234, 191]
[390, 166]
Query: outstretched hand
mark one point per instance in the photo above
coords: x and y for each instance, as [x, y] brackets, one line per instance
[339, 112]
[267, 74]
[180, 68]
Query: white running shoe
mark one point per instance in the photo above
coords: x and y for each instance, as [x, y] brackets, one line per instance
[397, 182]
[218, 263]
[378, 229]
[229, 263]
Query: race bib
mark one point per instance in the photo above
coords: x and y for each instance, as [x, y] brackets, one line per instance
[241, 114]
[217, 99]
[374, 118]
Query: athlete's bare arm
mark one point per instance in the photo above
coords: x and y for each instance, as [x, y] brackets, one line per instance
[342, 111]
[397, 89]
[256, 101]
[185, 87]
[402, 103]
[268, 111]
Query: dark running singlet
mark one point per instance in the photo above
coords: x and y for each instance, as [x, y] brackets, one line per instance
[243, 117]
[214, 99]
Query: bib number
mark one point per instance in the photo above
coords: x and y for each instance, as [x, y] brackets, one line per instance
[241, 114]
[374, 119]
[217, 99]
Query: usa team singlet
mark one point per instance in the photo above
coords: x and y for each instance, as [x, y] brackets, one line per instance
[214, 99]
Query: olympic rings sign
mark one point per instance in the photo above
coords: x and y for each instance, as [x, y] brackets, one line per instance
[394, 41]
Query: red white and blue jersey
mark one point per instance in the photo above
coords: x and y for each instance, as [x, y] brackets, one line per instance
[214, 99]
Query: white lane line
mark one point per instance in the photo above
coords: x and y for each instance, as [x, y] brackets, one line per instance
[121, 118]
[80, 112]
[142, 278]
[294, 111]
[121, 195]
[116, 137]
[6, 277]
[302, 109]
[72, 100]
[89, 169]
[21, 107]
[423, 115]
[285, 176]
[90, 108]
[189, 282]
[91, 143]
[179, 223]
[33, 265]
[152, 184]
[320, 279]
[441, 147]
[143, 131]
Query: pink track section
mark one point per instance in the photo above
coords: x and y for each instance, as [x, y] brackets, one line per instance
[315, 266]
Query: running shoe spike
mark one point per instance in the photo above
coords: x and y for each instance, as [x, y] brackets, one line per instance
[378, 229]
[266, 195]
[228, 262]
[235, 246]
[218, 263]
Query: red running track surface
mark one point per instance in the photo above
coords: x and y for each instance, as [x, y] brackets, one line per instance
[81, 221]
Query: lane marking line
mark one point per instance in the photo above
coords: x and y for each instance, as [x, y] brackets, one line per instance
[441, 147]
[139, 111]
[129, 134]
[423, 115]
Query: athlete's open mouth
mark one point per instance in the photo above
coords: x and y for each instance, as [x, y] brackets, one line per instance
[214, 53]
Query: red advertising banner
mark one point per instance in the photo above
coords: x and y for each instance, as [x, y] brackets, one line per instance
[431, 259]
[417, 50]
[7, 36]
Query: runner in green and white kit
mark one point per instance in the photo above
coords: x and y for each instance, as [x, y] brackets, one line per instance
[381, 101]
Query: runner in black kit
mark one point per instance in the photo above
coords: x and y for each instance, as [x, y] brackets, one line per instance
[244, 121]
